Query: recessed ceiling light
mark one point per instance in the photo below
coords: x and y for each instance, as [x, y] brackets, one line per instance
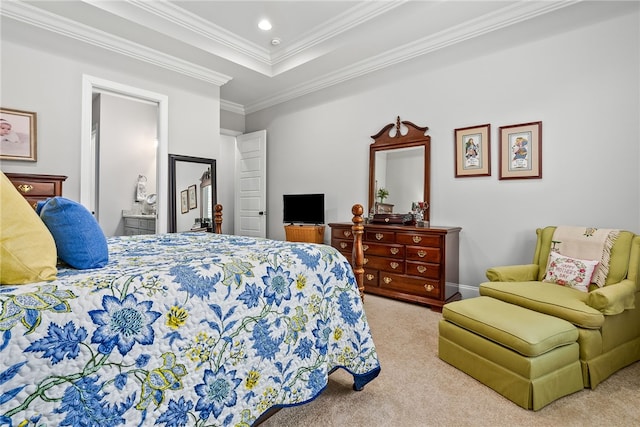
[275, 42]
[264, 25]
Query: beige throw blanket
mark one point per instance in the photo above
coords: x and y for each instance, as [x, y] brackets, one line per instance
[589, 244]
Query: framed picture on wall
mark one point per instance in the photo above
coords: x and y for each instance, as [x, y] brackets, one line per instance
[18, 133]
[184, 201]
[521, 151]
[193, 201]
[473, 151]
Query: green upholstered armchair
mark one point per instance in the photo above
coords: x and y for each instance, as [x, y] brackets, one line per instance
[607, 318]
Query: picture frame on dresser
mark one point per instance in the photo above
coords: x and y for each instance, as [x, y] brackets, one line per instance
[521, 151]
[473, 151]
[18, 135]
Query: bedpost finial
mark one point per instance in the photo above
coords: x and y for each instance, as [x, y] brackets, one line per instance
[218, 218]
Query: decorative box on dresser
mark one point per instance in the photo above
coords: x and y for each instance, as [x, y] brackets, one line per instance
[35, 187]
[404, 262]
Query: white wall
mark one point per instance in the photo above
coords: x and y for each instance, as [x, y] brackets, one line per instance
[43, 73]
[226, 181]
[582, 83]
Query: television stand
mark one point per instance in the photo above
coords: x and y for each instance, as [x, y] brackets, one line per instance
[304, 233]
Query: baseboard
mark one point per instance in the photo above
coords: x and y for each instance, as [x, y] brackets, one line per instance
[468, 291]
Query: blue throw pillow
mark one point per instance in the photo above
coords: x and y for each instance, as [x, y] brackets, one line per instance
[79, 239]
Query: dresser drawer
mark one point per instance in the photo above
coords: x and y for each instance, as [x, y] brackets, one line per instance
[419, 239]
[380, 236]
[370, 278]
[344, 246]
[422, 253]
[393, 251]
[387, 264]
[35, 189]
[431, 271]
[132, 222]
[342, 233]
[416, 286]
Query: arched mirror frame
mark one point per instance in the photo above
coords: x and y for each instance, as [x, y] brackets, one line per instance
[385, 141]
[173, 194]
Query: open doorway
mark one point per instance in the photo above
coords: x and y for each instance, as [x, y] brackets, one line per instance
[92, 171]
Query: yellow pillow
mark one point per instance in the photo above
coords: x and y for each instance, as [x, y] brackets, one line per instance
[27, 249]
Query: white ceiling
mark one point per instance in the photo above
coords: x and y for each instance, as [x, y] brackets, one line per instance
[322, 43]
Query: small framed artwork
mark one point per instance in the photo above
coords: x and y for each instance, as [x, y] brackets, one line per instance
[473, 151]
[18, 133]
[521, 151]
[184, 201]
[193, 201]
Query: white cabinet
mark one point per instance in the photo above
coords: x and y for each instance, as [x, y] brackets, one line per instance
[139, 224]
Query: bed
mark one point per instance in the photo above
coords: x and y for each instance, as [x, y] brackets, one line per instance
[182, 329]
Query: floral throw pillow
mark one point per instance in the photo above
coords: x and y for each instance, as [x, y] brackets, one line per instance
[571, 272]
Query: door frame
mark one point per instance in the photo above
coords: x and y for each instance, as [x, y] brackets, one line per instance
[90, 84]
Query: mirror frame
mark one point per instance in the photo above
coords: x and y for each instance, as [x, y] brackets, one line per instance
[414, 137]
[173, 159]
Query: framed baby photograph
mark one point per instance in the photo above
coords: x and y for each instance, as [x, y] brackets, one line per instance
[521, 151]
[18, 135]
[473, 151]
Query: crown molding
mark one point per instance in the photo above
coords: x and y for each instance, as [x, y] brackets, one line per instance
[28, 14]
[194, 30]
[200, 32]
[232, 107]
[483, 24]
[285, 59]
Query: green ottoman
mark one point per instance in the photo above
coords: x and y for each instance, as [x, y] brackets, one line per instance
[530, 358]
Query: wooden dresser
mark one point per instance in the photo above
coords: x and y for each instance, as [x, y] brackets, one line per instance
[405, 262]
[35, 187]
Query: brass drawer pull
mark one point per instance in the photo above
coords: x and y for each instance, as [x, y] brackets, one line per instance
[429, 288]
[343, 245]
[387, 280]
[422, 268]
[394, 251]
[25, 188]
[422, 254]
[346, 233]
[366, 260]
[394, 265]
[379, 236]
[365, 247]
[370, 277]
[417, 239]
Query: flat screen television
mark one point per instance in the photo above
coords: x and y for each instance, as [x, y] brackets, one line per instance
[303, 208]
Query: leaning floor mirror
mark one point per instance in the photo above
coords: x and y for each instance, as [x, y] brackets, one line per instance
[192, 193]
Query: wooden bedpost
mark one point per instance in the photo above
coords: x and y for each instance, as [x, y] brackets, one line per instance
[358, 251]
[218, 218]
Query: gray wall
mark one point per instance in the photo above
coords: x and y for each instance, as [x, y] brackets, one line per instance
[42, 72]
[582, 83]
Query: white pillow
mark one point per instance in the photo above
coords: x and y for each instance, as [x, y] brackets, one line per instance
[572, 272]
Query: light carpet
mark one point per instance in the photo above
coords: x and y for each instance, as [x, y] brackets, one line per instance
[416, 388]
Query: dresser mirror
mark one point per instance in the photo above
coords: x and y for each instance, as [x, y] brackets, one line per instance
[399, 162]
[187, 208]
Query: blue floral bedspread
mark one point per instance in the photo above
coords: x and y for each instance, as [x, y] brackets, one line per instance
[183, 329]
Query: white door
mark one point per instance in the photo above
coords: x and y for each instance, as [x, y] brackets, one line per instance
[250, 218]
